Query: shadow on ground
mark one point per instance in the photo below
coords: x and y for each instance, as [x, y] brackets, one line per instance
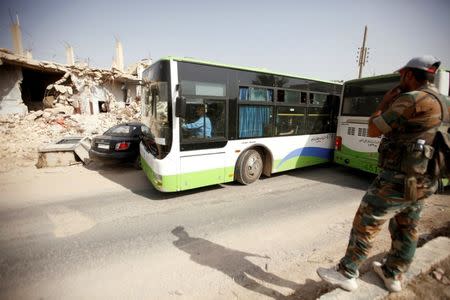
[233, 263]
[327, 173]
[136, 181]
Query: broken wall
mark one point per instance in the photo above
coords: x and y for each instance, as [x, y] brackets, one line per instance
[10, 92]
[118, 90]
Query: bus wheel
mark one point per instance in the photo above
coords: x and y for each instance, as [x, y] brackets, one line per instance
[249, 167]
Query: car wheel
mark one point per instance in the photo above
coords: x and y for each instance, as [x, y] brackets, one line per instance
[441, 186]
[249, 167]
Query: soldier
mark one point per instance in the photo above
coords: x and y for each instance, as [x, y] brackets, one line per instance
[407, 117]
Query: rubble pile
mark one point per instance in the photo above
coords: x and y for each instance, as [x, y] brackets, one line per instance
[88, 90]
[22, 136]
[80, 84]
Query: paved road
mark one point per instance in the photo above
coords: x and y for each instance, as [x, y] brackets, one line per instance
[123, 239]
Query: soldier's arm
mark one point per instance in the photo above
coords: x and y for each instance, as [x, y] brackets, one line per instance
[397, 114]
[373, 130]
[385, 103]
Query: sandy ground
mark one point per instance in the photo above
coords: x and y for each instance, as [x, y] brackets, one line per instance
[63, 183]
[433, 285]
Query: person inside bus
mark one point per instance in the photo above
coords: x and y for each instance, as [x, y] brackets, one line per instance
[202, 126]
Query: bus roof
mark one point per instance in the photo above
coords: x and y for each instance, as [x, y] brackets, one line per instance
[372, 77]
[384, 76]
[261, 70]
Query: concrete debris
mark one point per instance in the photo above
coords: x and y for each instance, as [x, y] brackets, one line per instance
[82, 150]
[7, 56]
[65, 152]
[82, 101]
[23, 136]
[87, 90]
[440, 275]
[56, 159]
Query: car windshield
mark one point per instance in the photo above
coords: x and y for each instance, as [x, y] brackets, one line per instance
[121, 130]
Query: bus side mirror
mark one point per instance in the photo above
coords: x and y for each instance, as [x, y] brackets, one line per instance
[180, 107]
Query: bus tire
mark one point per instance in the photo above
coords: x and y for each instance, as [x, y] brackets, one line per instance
[249, 167]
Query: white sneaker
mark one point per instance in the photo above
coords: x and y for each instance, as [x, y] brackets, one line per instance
[335, 277]
[392, 284]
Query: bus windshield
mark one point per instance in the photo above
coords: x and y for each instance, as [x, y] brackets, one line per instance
[155, 111]
[362, 98]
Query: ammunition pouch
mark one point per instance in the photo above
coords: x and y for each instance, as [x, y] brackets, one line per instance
[411, 159]
[415, 159]
[390, 155]
[410, 193]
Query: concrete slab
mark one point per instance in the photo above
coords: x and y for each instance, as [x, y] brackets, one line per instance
[56, 159]
[372, 287]
[64, 152]
[65, 144]
[82, 150]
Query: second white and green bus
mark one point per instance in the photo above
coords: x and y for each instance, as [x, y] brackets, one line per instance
[360, 98]
[257, 122]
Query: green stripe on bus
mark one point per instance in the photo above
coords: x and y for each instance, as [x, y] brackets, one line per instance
[168, 183]
[298, 162]
[364, 161]
[206, 177]
[215, 176]
[165, 184]
[361, 154]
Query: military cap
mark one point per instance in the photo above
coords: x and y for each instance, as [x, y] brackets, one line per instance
[427, 63]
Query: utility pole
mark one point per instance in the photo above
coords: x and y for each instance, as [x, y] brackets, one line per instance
[363, 53]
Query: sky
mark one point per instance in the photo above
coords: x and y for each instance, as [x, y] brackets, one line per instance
[316, 39]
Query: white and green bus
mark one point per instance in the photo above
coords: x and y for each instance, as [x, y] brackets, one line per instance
[212, 123]
[360, 98]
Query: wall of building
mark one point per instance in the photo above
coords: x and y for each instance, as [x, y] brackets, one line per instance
[117, 90]
[10, 93]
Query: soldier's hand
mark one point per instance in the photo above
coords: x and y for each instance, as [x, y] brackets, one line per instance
[392, 94]
[388, 98]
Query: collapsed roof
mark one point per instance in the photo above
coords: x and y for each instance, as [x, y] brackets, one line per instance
[7, 57]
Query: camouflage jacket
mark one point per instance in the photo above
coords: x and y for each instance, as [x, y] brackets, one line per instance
[412, 116]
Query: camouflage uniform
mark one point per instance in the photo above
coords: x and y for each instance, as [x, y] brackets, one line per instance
[412, 115]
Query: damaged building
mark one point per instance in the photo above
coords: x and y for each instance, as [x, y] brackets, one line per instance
[31, 85]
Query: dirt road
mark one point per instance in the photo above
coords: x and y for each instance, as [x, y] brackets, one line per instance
[94, 232]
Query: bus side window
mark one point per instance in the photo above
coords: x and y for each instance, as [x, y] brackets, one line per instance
[311, 98]
[216, 113]
[303, 96]
[290, 120]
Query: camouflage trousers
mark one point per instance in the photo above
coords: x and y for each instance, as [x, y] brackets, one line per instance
[384, 201]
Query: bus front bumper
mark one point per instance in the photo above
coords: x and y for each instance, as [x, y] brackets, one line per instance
[364, 164]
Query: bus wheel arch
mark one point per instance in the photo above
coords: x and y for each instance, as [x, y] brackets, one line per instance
[252, 163]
